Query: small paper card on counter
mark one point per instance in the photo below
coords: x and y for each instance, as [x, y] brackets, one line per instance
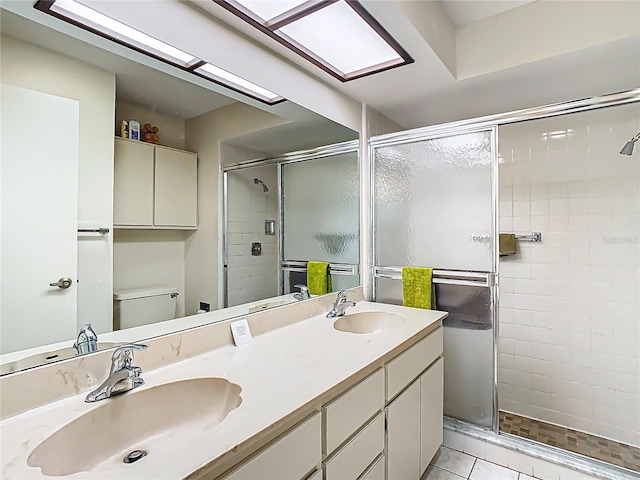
[241, 332]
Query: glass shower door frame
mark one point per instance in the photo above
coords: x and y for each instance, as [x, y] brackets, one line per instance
[491, 282]
[296, 157]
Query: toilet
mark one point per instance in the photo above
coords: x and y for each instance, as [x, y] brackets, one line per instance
[133, 308]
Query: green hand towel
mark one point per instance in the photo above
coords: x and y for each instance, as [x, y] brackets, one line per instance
[417, 287]
[318, 278]
[508, 244]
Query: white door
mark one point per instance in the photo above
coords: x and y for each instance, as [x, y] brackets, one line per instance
[38, 221]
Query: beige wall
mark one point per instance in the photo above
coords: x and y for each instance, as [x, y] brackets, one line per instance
[33, 68]
[150, 258]
[204, 247]
[170, 129]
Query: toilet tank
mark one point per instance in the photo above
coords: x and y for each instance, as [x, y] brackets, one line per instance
[133, 308]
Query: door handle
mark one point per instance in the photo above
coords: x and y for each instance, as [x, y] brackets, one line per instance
[64, 282]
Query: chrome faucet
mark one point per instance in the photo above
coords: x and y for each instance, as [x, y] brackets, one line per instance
[304, 293]
[340, 305]
[87, 340]
[123, 377]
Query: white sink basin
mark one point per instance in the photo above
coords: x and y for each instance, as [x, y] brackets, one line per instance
[264, 306]
[369, 322]
[46, 357]
[129, 422]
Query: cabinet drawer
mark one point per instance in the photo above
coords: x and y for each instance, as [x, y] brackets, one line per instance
[290, 457]
[375, 471]
[408, 365]
[357, 455]
[348, 412]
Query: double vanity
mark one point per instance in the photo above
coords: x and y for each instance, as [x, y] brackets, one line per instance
[355, 396]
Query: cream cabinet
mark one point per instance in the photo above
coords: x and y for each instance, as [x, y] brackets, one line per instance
[431, 408]
[403, 435]
[291, 457]
[154, 187]
[414, 416]
[386, 426]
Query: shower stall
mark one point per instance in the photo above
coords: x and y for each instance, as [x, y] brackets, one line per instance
[297, 207]
[542, 344]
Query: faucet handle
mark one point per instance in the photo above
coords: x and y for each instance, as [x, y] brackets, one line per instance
[342, 296]
[122, 356]
[304, 291]
[87, 340]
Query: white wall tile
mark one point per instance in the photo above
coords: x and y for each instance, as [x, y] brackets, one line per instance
[569, 306]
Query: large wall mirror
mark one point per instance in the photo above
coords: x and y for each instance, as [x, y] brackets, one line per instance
[66, 98]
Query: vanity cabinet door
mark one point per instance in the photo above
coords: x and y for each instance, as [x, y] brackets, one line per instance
[133, 183]
[431, 408]
[403, 435]
[176, 188]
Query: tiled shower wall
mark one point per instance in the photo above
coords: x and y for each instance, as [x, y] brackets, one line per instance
[252, 277]
[569, 308]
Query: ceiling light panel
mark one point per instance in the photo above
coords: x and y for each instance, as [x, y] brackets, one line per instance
[94, 19]
[80, 15]
[215, 73]
[338, 36]
[341, 38]
[267, 10]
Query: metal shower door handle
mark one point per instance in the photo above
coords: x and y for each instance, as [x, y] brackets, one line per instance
[64, 282]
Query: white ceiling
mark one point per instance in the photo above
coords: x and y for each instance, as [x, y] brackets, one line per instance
[167, 91]
[423, 93]
[135, 83]
[463, 12]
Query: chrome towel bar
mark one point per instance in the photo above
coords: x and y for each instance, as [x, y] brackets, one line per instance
[533, 237]
[334, 268]
[101, 230]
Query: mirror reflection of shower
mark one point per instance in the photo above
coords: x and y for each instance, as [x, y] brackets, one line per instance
[257, 181]
[628, 147]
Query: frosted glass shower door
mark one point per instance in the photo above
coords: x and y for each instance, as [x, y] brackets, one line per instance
[433, 207]
[321, 214]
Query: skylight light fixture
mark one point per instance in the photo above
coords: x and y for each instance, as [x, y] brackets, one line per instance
[216, 73]
[94, 21]
[107, 25]
[338, 36]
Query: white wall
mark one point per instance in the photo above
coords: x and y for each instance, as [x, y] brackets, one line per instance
[149, 258]
[170, 129]
[37, 69]
[204, 247]
[515, 38]
[251, 277]
[569, 307]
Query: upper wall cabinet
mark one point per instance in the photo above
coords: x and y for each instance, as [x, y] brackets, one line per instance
[154, 187]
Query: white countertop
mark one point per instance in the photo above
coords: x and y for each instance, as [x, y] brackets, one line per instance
[280, 372]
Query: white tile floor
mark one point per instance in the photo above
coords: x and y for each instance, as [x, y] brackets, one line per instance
[450, 464]
[463, 457]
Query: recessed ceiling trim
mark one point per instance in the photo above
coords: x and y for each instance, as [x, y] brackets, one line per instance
[47, 6]
[302, 11]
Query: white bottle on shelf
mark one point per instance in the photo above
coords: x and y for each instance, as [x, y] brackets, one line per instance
[134, 129]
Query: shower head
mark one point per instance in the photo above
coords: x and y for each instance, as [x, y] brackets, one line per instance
[257, 181]
[628, 147]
